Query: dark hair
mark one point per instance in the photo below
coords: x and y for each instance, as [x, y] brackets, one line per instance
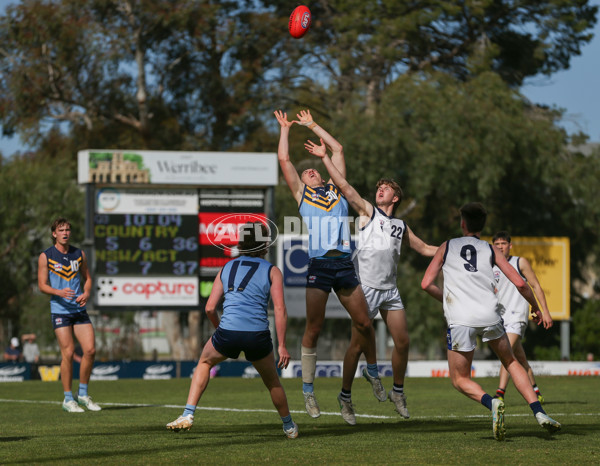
[58, 223]
[501, 235]
[254, 239]
[395, 187]
[474, 215]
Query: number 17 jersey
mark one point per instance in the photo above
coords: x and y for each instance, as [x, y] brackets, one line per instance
[247, 288]
[469, 285]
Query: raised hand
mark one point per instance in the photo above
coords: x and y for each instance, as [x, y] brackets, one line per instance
[282, 119]
[314, 149]
[304, 117]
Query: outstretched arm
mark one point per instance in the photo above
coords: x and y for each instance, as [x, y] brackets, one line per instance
[419, 245]
[432, 272]
[283, 155]
[280, 316]
[337, 150]
[362, 206]
[521, 285]
[529, 274]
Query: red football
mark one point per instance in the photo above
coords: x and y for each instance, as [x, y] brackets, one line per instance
[300, 20]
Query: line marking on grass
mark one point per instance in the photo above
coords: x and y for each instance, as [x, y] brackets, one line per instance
[238, 410]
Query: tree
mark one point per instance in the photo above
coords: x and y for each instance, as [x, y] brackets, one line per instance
[586, 327]
[152, 74]
[34, 191]
[361, 47]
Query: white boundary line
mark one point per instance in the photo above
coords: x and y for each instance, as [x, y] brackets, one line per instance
[236, 410]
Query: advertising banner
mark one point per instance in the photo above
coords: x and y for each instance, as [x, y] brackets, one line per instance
[107, 166]
[550, 260]
[147, 291]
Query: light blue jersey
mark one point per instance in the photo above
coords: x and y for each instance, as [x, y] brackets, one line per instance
[246, 285]
[63, 272]
[325, 212]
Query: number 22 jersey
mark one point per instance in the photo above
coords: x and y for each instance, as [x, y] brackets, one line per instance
[469, 285]
[378, 250]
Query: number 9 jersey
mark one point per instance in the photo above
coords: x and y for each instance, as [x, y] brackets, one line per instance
[246, 286]
[469, 286]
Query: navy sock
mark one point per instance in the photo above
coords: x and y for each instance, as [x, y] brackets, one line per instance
[308, 387]
[486, 400]
[69, 396]
[189, 409]
[346, 395]
[398, 388]
[287, 422]
[536, 407]
[372, 370]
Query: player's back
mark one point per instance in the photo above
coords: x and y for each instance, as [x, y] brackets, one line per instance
[469, 285]
[246, 286]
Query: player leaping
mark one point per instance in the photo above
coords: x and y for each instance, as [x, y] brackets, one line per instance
[325, 212]
[376, 260]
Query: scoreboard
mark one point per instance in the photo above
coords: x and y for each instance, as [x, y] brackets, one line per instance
[146, 244]
[160, 224]
[161, 248]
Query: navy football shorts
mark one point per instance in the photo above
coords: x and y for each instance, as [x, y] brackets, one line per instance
[327, 273]
[68, 320]
[255, 345]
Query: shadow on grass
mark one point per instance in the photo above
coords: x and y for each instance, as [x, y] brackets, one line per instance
[14, 439]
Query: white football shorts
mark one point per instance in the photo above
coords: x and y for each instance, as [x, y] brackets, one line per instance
[518, 328]
[386, 300]
[461, 338]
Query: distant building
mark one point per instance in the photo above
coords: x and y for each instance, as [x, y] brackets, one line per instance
[118, 170]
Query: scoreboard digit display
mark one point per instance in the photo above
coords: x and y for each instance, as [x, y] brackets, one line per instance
[146, 244]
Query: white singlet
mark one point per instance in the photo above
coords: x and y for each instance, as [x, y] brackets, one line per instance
[469, 285]
[513, 306]
[378, 250]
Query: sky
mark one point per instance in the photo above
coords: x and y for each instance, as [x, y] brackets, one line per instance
[575, 90]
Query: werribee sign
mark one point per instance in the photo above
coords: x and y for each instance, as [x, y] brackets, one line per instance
[155, 220]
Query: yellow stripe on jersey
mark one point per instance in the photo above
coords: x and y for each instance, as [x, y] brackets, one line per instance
[321, 202]
[63, 271]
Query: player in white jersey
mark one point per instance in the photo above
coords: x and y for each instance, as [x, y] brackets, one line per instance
[376, 262]
[471, 309]
[515, 309]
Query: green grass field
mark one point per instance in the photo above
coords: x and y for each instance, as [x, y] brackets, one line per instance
[236, 423]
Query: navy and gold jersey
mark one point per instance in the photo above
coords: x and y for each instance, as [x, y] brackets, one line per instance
[325, 212]
[63, 272]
